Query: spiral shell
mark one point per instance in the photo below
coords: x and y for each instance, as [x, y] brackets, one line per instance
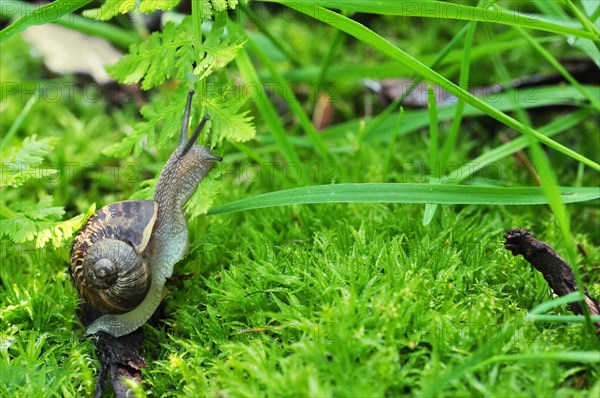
[108, 264]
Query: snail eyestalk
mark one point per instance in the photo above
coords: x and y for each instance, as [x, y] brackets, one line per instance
[195, 136]
[186, 118]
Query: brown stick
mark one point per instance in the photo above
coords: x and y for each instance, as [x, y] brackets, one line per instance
[119, 357]
[554, 268]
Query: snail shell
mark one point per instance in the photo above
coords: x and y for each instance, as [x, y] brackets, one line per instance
[109, 265]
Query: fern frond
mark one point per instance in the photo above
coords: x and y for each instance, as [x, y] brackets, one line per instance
[202, 200]
[147, 190]
[233, 3]
[164, 55]
[112, 8]
[60, 231]
[163, 114]
[28, 221]
[149, 6]
[23, 164]
[228, 123]
[219, 49]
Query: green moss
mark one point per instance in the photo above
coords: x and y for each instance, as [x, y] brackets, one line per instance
[316, 300]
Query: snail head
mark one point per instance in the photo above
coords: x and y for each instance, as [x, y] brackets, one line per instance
[188, 164]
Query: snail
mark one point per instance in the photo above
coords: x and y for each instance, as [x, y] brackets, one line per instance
[122, 256]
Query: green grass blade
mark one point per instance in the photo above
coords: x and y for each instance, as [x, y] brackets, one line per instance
[371, 38]
[450, 11]
[383, 70]
[417, 119]
[406, 193]
[450, 143]
[552, 192]
[114, 34]
[290, 98]
[561, 69]
[433, 132]
[379, 119]
[557, 302]
[513, 146]
[275, 39]
[562, 318]
[18, 121]
[429, 212]
[563, 356]
[589, 25]
[434, 165]
[39, 16]
[391, 148]
[267, 110]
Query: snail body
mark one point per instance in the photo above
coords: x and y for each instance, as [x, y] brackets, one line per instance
[124, 253]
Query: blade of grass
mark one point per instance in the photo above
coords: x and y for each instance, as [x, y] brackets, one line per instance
[383, 70]
[504, 150]
[118, 36]
[554, 62]
[312, 134]
[595, 14]
[435, 9]
[379, 119]
[268, 112]
[587, 24]
[429, 212]
[371, 38]
[406, 193]
[433, 133]
[563, 356]
[18, 121]
[550, 184]
[337, 41]
[537, 313]
[252, 154]
[563, 318]
[579, 176]
[198, 18]
[414, 120]
[392, 146]
[484, 356]
[463, 82]
[557, 302]
[552, 8]
[262, 27]
[505, 76]
[434, 164]
[39, 16]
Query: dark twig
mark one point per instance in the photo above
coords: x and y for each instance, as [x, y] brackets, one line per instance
[553, 267]
[119, 357]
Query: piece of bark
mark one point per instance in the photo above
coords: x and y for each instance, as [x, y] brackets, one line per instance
[391, 89]
[323, 112]
[554, 268]
[119, 357]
